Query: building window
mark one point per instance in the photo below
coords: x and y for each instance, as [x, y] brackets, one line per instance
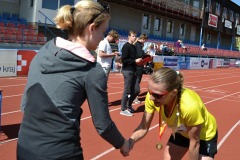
[66, 2]
[209, 6]
[217, 9]
[182, 29]
[169, 27]
[157, 24]
[53, 5]
[224, 14]
[231, 18]
[236, 19]
[145, 21]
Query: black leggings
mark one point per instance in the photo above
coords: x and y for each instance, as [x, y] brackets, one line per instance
[207, 148]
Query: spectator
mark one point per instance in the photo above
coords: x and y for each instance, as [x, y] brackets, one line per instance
[179, 45]
[165, 49]
[185, 50]
[203, 47]
[140, 53]
[105, 55]
[62, 76]
[129, 66]
[194, 129]
[151, 49]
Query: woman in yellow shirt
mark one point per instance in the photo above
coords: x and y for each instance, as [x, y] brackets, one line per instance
[194, 129]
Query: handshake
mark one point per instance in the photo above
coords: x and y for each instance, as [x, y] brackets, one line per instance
[127, 146]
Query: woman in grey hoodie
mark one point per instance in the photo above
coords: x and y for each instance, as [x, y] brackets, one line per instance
[62, 76]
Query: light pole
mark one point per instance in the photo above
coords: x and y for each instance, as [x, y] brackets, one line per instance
[201, 31]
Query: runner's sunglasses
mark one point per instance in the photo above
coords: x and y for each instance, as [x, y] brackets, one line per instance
[156, 95]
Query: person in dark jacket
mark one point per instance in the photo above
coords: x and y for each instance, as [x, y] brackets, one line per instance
[62, 76]
[140, 53]
[129, 66]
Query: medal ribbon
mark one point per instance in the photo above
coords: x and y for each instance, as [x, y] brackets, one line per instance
[162, 126]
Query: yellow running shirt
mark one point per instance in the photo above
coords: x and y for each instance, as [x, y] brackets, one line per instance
[192, 112]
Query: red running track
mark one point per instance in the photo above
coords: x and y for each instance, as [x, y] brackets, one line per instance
[219, 89]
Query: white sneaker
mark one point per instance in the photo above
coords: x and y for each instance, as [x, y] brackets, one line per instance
[136, 101]
[126, 113]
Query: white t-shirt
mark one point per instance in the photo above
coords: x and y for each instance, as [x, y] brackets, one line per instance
[105, 47]
[152, 52]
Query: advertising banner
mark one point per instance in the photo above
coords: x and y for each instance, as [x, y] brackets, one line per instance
[204, 63]
[158, 62]
[24, 58]
[213, 63]
[226, 62]
[194, 63]
[212, 20]
[171, 62]
[220, 63]
[183, 62]
[8, 63]
[228, 24]
[232, 62]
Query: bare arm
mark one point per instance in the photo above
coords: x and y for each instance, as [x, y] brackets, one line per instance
[103, 54]
[142, 129]
[194, 134]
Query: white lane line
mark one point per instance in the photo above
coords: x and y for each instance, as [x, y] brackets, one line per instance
[12, 96]
[16, 85]
[112, 149]
[10, 140]
[227, 135]
[216, 79]
[221, 97]
[10, 112]
[104, 153]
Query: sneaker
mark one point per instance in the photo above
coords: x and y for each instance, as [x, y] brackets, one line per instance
[131, 109]
[126, 113]
[136, 101]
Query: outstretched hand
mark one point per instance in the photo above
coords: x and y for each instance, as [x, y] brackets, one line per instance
[125, 149]
[131, 143]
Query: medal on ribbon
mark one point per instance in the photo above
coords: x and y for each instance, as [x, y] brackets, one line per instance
[162, 127]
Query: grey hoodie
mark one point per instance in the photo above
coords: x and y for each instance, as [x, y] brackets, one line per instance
[59, 82]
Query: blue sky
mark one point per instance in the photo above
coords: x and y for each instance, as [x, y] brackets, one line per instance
[236, 1]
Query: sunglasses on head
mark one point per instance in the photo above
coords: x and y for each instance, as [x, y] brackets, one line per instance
[105, 9]
[156, 95]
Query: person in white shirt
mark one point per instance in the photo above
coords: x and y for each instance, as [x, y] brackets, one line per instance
[203, 47]
[151, 50]
[104, 51]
